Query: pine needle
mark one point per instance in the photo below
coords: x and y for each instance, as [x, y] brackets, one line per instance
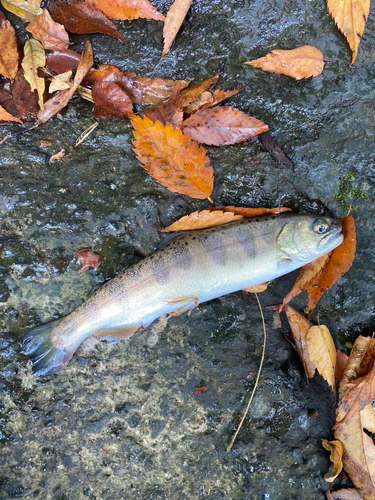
[257, 379]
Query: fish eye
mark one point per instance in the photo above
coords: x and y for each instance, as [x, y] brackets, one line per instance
[320, 226]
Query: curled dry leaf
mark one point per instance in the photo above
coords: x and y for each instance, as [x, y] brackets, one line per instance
[335, 447]
[52, 35]
[322, 352]
[34, 58]
[192, 93]
[172, 158]
[9, 52]
[220, 95]
[173, 21]
[123, 10]
[302, 62]
[23, 9]
[350, 17]
[61, 99]
[78, 17]
[110, 101]
[60, 82]
[339, 262]
[222, 126]
[300, 326]
[168, 112]
[257, 288]
[217, 216]
[7, 117]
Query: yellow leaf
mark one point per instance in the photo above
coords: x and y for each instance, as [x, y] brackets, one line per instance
[34, 58]
[172, 158]
[350, 17]
[335, 447]
[22, 9]
[322, 352]
[61, 82]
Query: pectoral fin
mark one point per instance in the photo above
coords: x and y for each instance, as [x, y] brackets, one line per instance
[117, 334]
[186, 304]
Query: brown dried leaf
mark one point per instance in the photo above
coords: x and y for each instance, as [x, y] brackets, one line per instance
[52, 35]
[78, 17]
[22, 9]
[62, 61]
[350, 17]
[9, 52]
[302, 62]
[205, 100]
[360, 359]
[110, 101]
[217, 216]
[192, 93]
[34, 58]
[257, 288]
[173, 21]
[322, 352]
[341, 361]
[61, 82]
[7, 117]
[168, 112]
[222, 126]
[25, 100]
[335, 447]
[220, 95]
[344, 494]
[307, 274]
[61, 99]
[340, 261]
[123, 10]
[300, 327]
[172, 158]
[142, 90]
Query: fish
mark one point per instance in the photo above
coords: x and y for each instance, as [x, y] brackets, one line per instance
[193, 268]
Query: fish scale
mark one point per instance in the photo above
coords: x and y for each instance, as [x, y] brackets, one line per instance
[194, 267]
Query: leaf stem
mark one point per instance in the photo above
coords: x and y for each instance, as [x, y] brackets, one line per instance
[257, 379]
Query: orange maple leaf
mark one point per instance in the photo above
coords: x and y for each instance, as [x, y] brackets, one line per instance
[172, 158]
[298, 63]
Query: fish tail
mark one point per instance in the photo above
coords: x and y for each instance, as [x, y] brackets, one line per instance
[44, 356]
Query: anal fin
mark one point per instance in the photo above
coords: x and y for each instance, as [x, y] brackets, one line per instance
[117, 334]
[186, 304]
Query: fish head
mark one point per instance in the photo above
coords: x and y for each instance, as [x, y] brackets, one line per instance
[305, 238]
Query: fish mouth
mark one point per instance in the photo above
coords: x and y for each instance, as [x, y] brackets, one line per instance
[333, 239]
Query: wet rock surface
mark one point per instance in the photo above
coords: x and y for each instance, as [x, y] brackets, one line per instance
[124, 421]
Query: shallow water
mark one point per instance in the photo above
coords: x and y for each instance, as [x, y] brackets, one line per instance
[125, 422]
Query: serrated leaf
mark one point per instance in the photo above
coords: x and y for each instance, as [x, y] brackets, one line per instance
[172, 158]
[175, 17]
[9, 52]
[123, 10]
[302, 62]
[222, 126]
[22, 9]
[52, 35]
[350, 17]
[34, 58]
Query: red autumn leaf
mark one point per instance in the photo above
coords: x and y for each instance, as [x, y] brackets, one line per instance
[25, 101]
[52, 35]
[110, 101]
[175, 17]
[168, 112]
[62, 61]
[222, 126]
[9, 53]
[88, 259]
[338, 264]
[172, 158]
[105, 73]
[123, 10]
[217, 216]
[61, 98]
[78, 17]
[7, 117]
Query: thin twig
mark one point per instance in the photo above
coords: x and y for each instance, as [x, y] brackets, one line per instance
[257, 379]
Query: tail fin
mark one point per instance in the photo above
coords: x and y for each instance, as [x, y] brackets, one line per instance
[44, 356]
